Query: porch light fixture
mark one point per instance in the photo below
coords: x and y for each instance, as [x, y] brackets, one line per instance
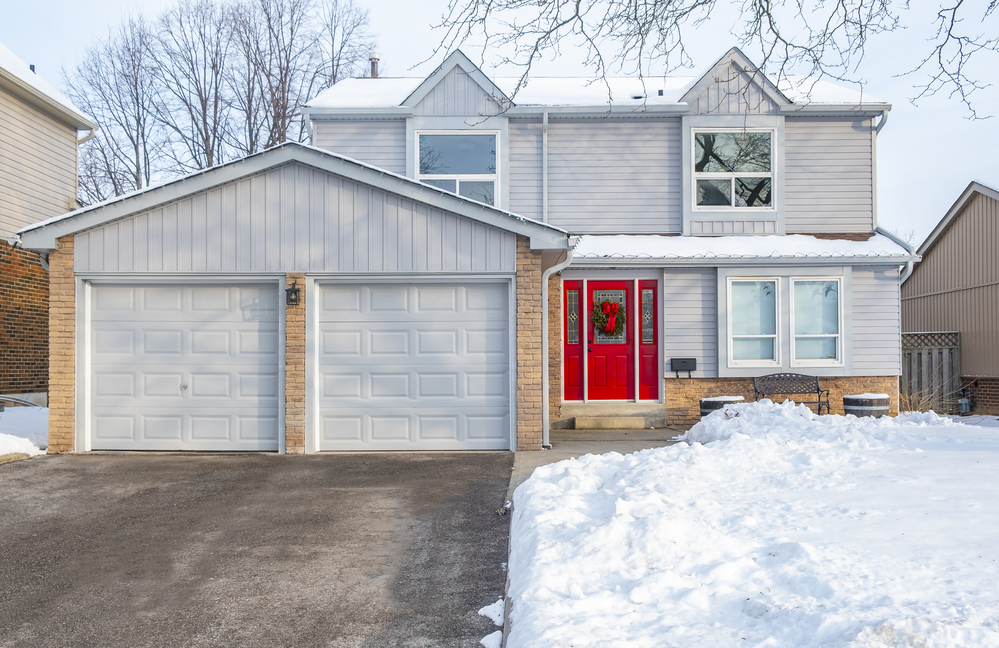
[292, 296]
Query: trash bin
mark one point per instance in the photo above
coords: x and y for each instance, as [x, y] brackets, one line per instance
[875, 405]
[714, 403]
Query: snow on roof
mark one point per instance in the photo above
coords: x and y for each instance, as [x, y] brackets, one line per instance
[15, 67]
[794, 246]
[386, 92]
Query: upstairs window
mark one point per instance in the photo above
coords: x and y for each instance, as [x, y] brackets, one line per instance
[733, 169]
[462, 163]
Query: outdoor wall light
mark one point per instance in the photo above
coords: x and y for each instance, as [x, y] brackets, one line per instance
[292, 296]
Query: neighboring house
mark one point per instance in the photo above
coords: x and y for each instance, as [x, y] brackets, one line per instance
[956, 288]
[38, 143]
[420, 229]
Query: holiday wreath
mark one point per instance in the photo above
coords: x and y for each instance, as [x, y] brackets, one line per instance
[608, 318]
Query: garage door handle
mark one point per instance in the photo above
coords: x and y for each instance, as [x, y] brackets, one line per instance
[184, 386]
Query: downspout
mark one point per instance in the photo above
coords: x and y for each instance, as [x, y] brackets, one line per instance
[908, 248]
[545, 413]
[881, 124]
[544, 168]
[86, 138]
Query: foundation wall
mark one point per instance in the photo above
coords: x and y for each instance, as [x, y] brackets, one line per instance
[984, 395]
[24, 322]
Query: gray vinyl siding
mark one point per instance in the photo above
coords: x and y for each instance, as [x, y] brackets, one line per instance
[526, 172]
[457, 94]
[876, 322]
[690, 318]
[295, 219]
[378, 143]
[37, 165]
[715, 228]
[956, 287]
[829, 175]
[733, 92]
[615, 176]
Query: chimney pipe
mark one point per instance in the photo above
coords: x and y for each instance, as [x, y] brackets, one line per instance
[374, 64]
[32, 67]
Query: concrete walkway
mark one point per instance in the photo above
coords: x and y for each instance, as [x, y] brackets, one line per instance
[569, 444]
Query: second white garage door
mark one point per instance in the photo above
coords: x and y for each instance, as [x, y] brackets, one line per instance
[413, 366]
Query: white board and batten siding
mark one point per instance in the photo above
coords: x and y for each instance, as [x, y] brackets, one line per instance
[828, 175]
[609, 176]
[457, 94]
[690, 315]
[877, 328]
[295, 219]
[414, 366]
[380, 143]
[734, 92]
[184, 367]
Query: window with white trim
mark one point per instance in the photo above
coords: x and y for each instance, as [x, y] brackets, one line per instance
[753, 318]
[816, 315]
[460, 162]
[733, 169]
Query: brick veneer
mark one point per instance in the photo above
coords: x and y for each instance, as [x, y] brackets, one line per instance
[555, 347]
[62, 348]
[529, 356]
[984, 395]
[294, 369]
[24, 318]
[683, 395]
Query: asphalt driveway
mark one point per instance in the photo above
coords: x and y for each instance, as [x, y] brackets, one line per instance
[251, 550]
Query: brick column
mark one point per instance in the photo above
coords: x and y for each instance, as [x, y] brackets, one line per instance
[24, 320]
[62, 348]
[555, 347]
[294, 369]
[529, 356]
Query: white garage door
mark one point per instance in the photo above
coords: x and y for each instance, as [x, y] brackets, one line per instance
[414, 367]
[184, 367]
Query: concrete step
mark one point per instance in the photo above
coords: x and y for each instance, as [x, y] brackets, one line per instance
[610, 423]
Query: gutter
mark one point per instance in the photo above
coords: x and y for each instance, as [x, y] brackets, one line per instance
[545, 414]
[909, 265]
[881, 124]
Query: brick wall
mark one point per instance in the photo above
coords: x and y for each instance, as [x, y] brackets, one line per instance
[555, 347]
[294, 369]
[24, 322]
[683, 395]
[984, 395]
[62, 348]
[529, 356]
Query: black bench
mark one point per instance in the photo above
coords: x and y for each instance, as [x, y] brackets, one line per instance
[792, 383]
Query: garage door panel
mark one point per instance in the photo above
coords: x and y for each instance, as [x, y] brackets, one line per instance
[341, 342]
[185, 368]
[402, 429]
[432, 384]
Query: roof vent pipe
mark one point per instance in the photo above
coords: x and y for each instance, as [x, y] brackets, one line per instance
[374, 64]
[32, 67]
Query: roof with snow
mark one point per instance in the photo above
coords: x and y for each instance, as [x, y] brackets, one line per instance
[17, 76]
[721, 250]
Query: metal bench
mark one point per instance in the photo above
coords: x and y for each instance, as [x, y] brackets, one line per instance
[792, 383]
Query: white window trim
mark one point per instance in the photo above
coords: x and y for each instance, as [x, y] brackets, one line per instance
[838, 362]
[459, 177]
[775, 362]
[695, 176]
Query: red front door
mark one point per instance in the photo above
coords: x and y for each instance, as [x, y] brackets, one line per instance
[611, 357]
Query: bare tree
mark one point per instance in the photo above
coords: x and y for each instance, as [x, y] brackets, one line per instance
[810, 37]
[192, 53]
[344, 41]
[112, 85]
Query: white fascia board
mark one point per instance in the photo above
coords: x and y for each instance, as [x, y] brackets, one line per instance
[47, 103]
[321, 114]
[43, 236]
[850, 111]
[967, 196]
[716, 262]
[597, 111]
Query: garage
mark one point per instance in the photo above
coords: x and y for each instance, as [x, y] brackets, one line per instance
[413, 366]
[184, 367]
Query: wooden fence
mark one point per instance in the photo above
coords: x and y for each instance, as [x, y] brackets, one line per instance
[931, 371]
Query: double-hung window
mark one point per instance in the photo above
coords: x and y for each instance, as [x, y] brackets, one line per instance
[733, 169]
[753, 315]
[462, 163]
[816, 321]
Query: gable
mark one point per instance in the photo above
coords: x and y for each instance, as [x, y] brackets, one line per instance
[733, 90]
[457, 94]
[295, 218]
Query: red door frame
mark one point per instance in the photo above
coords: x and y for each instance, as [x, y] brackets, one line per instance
[578, 345]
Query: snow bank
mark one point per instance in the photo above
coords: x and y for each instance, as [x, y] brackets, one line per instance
[24, 429]
[770, 527]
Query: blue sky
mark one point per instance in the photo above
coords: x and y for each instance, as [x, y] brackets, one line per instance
[927, 154]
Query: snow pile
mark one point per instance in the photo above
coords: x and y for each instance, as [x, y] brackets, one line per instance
[25, 430]
[770, 527]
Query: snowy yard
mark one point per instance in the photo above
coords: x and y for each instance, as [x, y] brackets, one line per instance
[24, 429]
[770, 527]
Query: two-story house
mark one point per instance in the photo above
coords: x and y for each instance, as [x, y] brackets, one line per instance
[443, 260]
[38, 143]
